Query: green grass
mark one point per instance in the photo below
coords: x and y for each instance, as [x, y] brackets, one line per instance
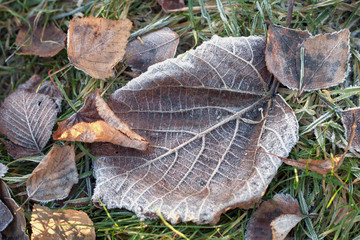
[334, 208]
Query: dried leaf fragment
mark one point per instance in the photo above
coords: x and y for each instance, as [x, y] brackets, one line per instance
[44, 41]
[168, 5]
[154, 47]
[15, 230]
[5, 216]
[66, 224]
[274, 218]
[96, 122]
[319, 166]
[324, 57]
[3, 170]
[96, 45]
[27, 119]
[200, 113]
[54, 176]
[349, 117]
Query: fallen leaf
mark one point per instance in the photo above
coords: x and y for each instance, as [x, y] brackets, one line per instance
[168, 5]
[324, 60]
[3, 170]
[43, 41]
[27, 119]
[200, 113]
[54, 176]
[348, 118]
[319, 166]
[153, 48]
[96, 45]
[274, 218]
[96, 122]
[6, 216]
[15, 230]
[47, 224]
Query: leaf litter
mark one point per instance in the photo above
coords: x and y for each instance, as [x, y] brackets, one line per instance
[199, 112]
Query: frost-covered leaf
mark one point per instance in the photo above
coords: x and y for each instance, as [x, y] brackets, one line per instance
[324, 57]
[5, 216]
[96, 45]
[96, 122]
[204, 115]
[152, 48]
[3, 170]
[274, 218]
[349, 117]
[54, 176]
[60, 224]
[319, 166]
[27, 119]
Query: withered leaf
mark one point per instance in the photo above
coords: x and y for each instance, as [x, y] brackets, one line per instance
[168, 5]
[200, 112]
[15, 230]
[153, 48]
[47, 224]
[274, 218]
[3, 170]
[27, 119]
[319, 166]
[5, 216]
[324, 59]
[44, 41]
[96, 45]
[96, 122]
[348, 118]
[54, 176]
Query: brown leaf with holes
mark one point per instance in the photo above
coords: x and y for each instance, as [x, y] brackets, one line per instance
[274, 218]
[47, 224]
[54, 176]
[348, 118]
[168, 5]
[319, 166]
[96, 45]
[151, 48]
[41, 40]
[15, 229]
[325, 57]
[96, 122]
[201, 113]
[27, 117]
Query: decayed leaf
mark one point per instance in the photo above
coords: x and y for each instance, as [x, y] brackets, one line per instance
[27, 119]
[15, 230]
[42, 41]
[54, 176]
[324, 59]
[168, 5]
[47, 224]
[200, 113]
[96, 45]
[274, 218]
[348, 118]
[153, 48]
[5, 216]
[96, 122]
[3, 170]
[319, 166]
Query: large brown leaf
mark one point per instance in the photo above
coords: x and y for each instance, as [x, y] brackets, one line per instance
[324, 60]
[54, 176]
[200, 113]
[96, 45]
[27, 118]
[96, 122]
[153, 48]
[44, 41]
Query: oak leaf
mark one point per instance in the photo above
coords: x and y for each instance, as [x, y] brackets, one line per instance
[274, 218]
[96, 122]
[27, 119]
[54, 176]
[40, 40]
[47, 224]
[168, 5]
[324, 57]
[200, 112]
[96, 45]
[153, 47]
[15, 230]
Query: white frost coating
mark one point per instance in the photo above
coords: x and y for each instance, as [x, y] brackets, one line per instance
[282, 225]
[181, 177]
[3, 170]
